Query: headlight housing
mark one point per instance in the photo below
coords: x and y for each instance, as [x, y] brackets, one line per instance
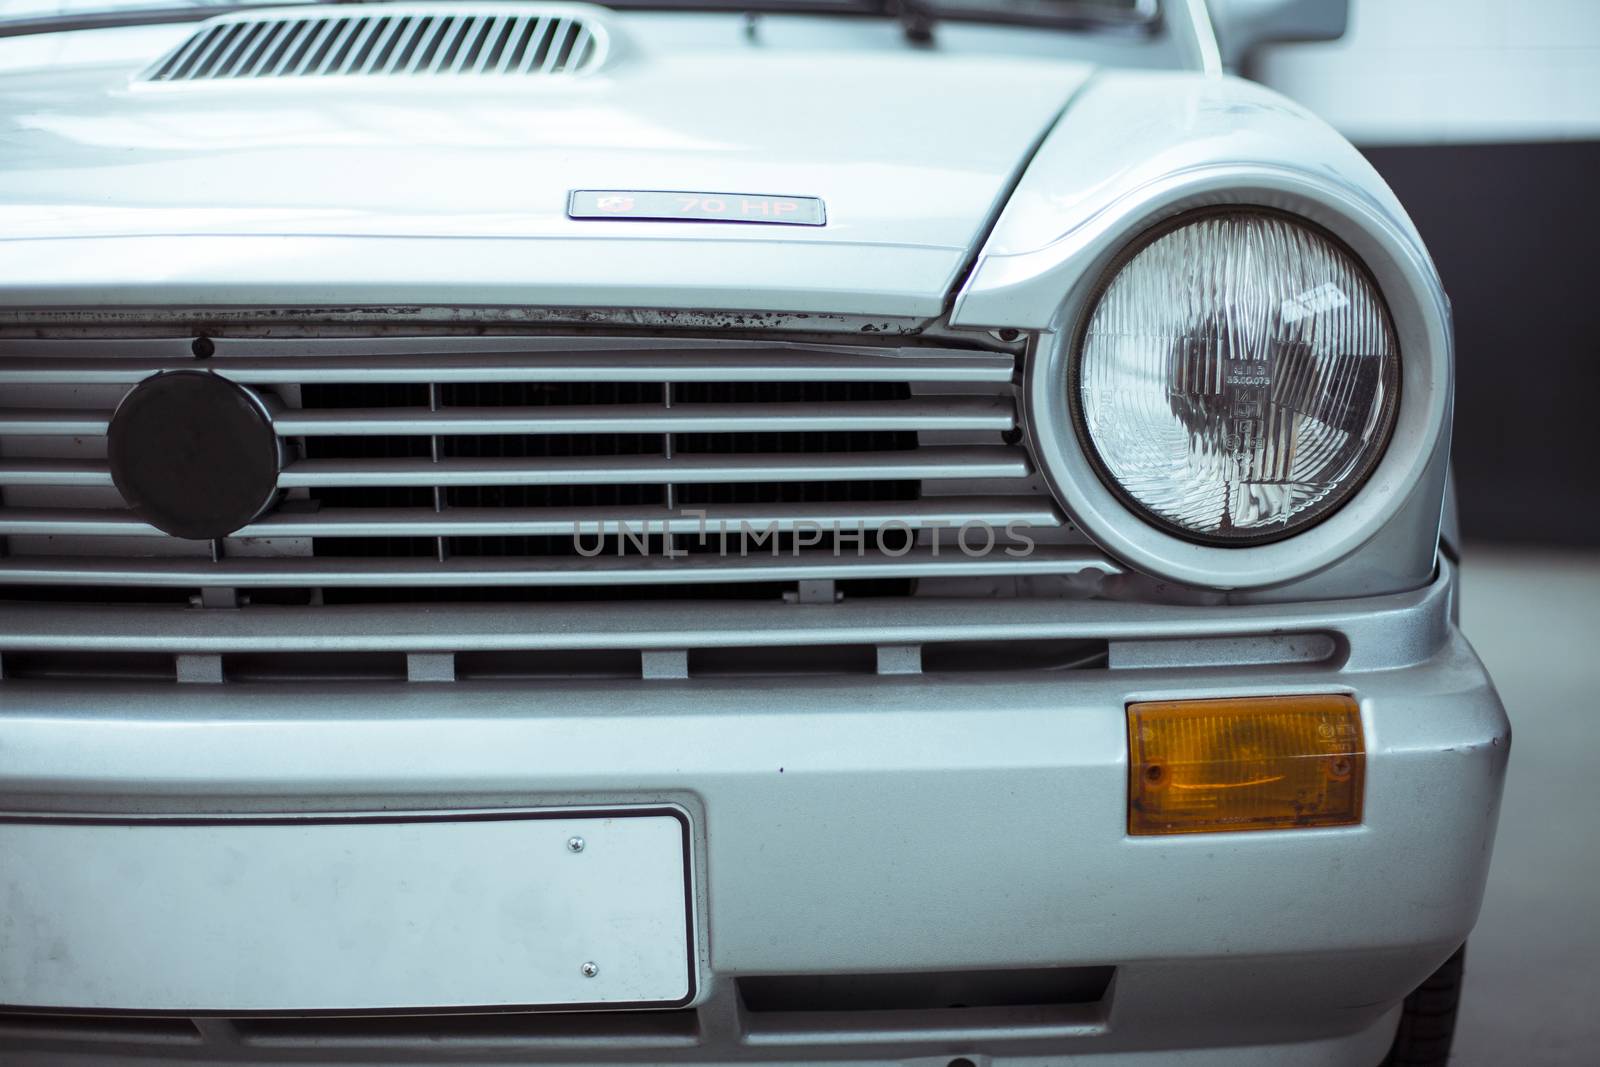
[1237, 376]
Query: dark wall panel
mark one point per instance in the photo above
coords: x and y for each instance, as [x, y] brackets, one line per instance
[1515, 230]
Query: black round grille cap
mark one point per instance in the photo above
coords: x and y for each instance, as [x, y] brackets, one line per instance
[194, 454]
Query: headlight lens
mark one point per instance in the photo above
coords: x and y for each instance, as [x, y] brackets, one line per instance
[1238, 376]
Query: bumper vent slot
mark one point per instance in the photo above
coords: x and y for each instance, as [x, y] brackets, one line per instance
[399, 41]
[17, 1028]
[926, 990]
[552, 1031]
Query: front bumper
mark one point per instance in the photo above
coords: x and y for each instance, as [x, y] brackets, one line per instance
[958, 822]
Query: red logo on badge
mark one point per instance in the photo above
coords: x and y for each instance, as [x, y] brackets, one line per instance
[614, 203]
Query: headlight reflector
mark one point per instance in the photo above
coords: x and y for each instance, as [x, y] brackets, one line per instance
[1238, 377]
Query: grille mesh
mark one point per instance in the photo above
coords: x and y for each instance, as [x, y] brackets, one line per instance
[406, 42]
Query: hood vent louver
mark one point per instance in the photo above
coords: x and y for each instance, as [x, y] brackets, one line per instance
[391, 41]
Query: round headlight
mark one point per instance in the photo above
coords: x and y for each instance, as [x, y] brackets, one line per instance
[1237, 377]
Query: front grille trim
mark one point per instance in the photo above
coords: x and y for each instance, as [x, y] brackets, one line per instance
[955, 413]
[466, 572]
[931, 513]
[588, 470]
[253, 362]
[526, 441]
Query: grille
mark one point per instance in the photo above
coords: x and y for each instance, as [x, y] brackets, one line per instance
[498, 469]
[399, 41]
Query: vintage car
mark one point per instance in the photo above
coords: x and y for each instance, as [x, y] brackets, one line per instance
[794, 531]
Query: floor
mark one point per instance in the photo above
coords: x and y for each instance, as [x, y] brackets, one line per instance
[1533, 965]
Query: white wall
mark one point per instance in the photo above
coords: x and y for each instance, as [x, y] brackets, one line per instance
[1457, 71]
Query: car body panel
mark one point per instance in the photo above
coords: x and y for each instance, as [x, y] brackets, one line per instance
[1131, 143]
[970, 821]
[375, 191]
[855, 806]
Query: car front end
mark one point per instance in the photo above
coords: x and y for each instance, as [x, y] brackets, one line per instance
[548, 533]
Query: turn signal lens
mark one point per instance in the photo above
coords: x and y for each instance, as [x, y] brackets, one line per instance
[1252, 763]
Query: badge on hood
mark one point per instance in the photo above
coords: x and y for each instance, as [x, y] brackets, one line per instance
[657, 206]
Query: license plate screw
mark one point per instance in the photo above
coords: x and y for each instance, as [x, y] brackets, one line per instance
[574, 844]
[589, 970]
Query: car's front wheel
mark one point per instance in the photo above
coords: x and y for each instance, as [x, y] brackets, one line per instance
[1428, 1020]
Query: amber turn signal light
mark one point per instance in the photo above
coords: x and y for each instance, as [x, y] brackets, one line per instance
[1251, 763]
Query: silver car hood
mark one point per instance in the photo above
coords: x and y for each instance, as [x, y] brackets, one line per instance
[115, 192]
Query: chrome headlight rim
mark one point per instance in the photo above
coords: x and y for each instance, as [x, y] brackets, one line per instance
[1073, 371]
[1419, 315]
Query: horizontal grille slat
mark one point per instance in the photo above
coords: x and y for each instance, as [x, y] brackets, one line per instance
[63, 472]
[48, 423]
[655, 470]
[553, 571]
[579, 366]
[951, 414]
[957, 413]
[450, 41]
[545, 522]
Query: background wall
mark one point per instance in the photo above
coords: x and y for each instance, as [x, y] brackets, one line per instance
[1484, 115]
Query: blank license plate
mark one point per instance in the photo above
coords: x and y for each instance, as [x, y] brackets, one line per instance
[332, 914]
